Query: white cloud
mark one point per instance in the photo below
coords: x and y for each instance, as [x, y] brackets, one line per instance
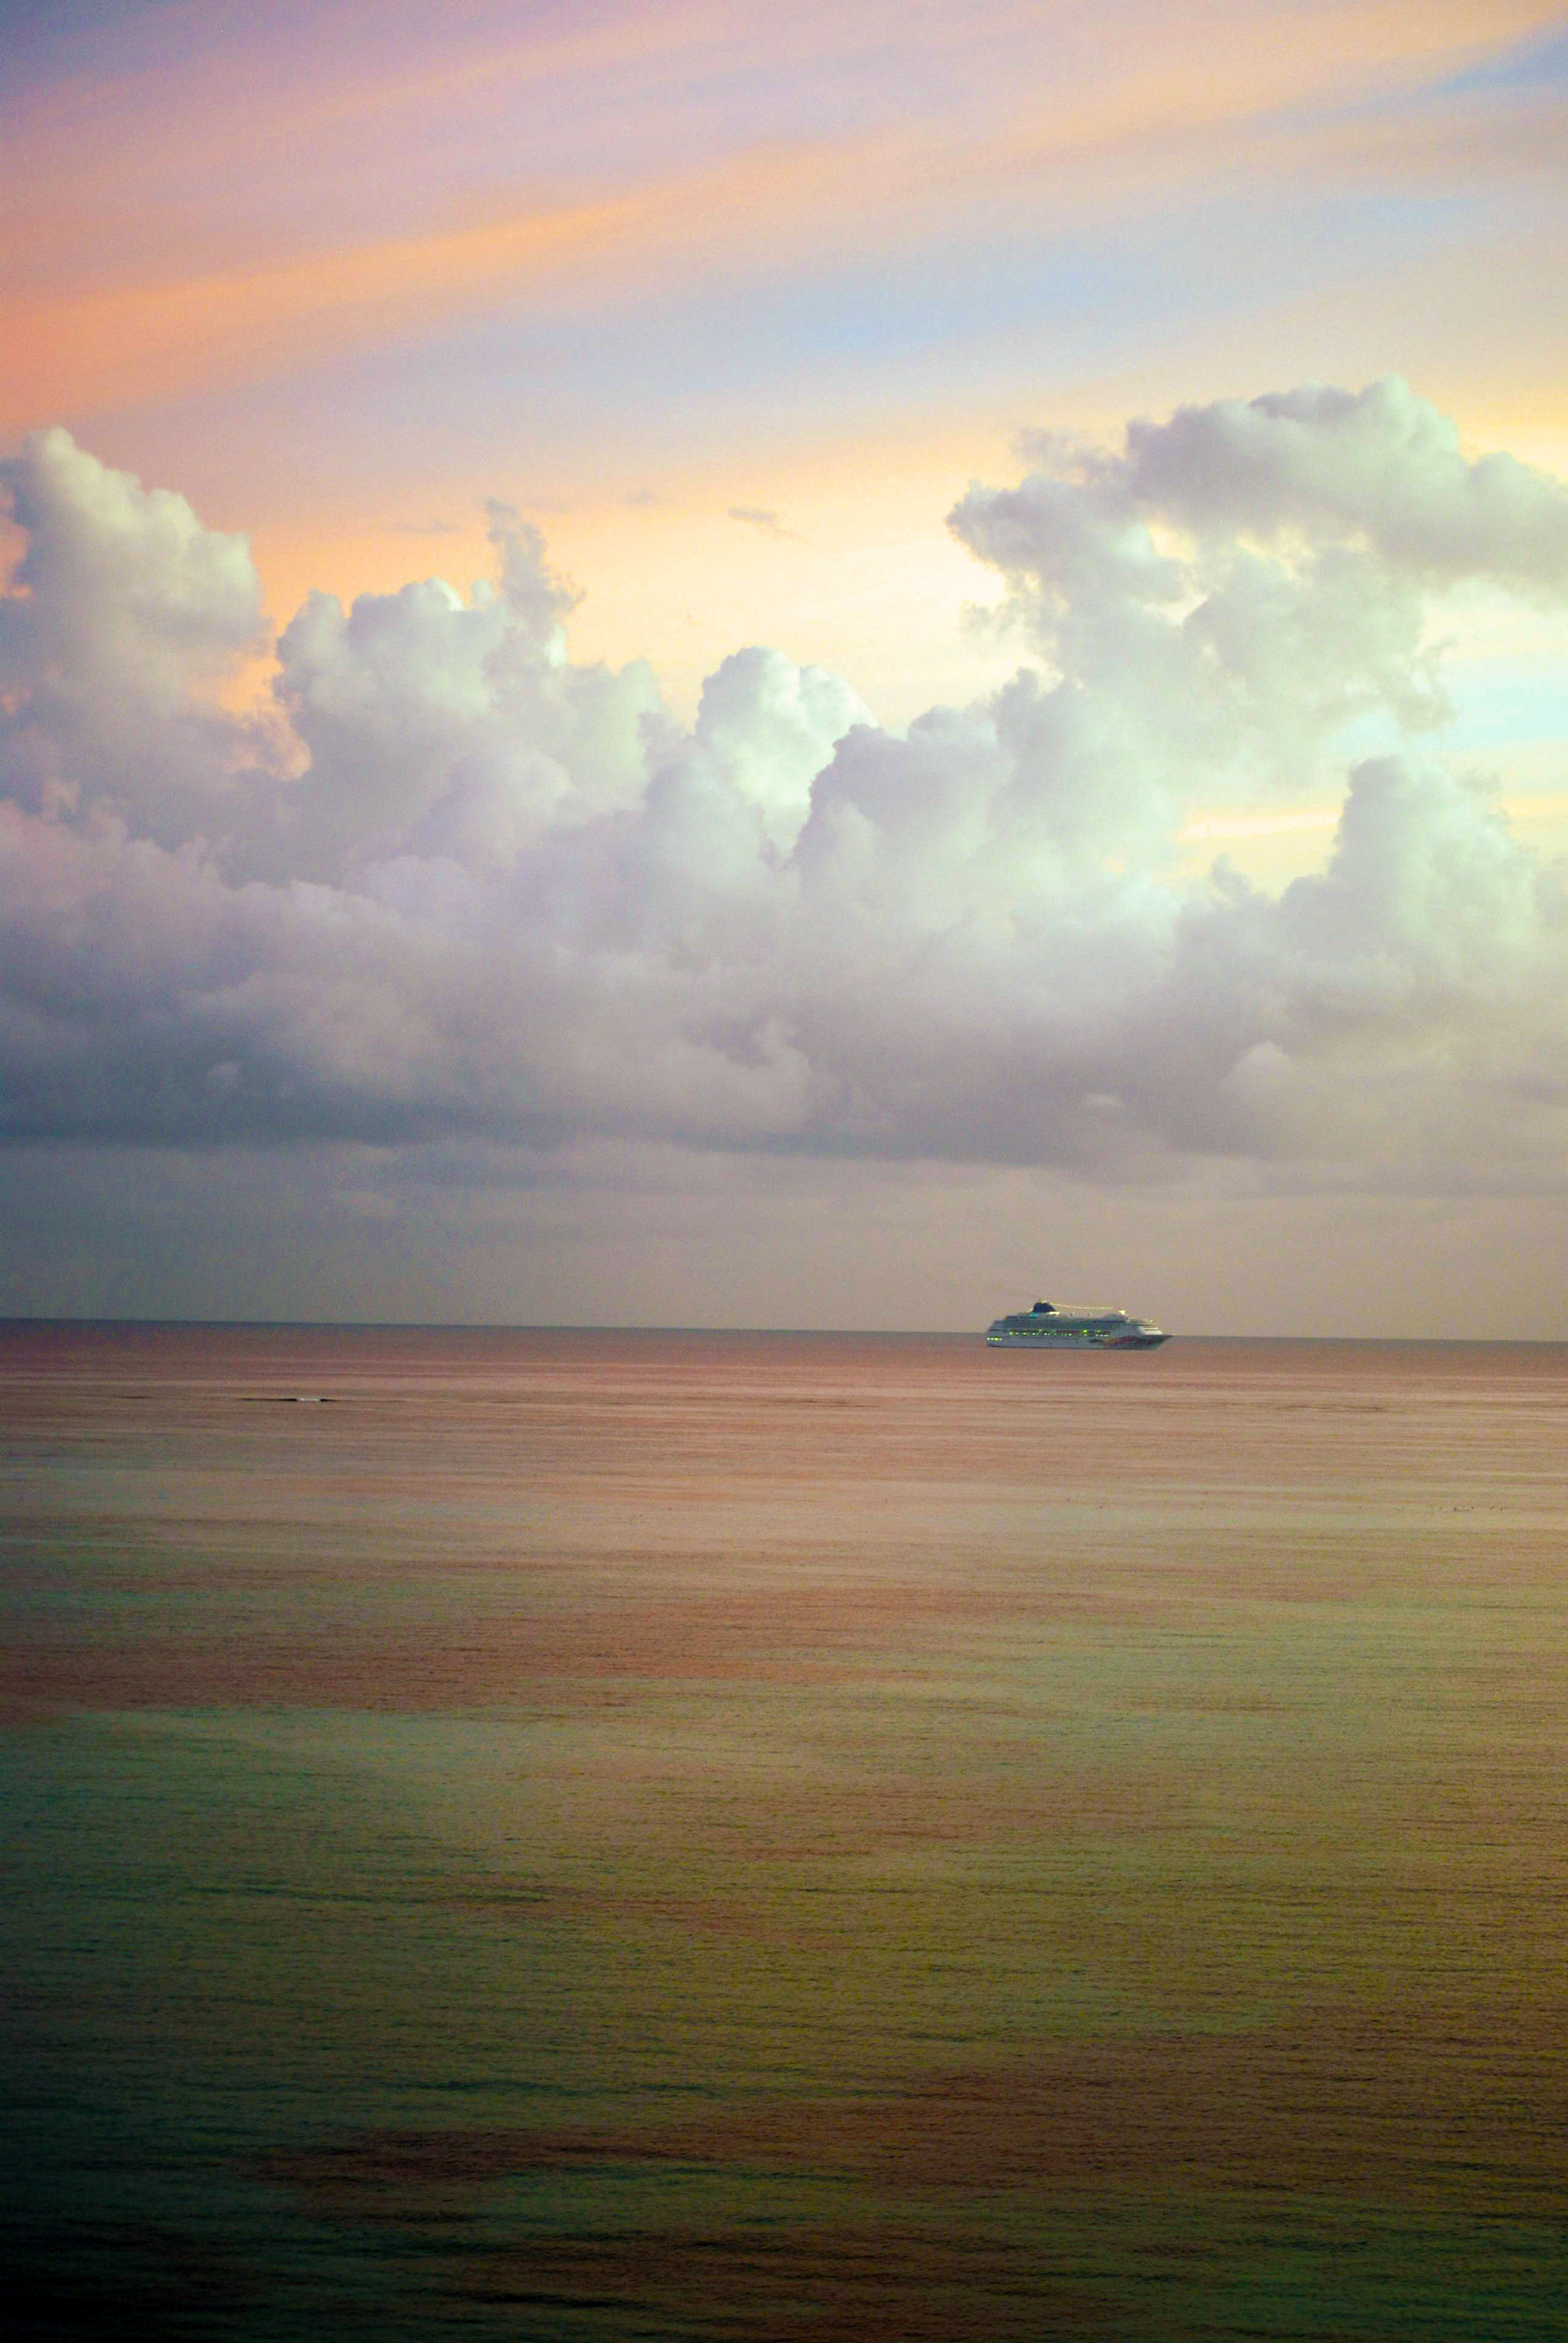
[457, 884]
[455, 728]
[771, 728]
[1379, 465]
[120, 617]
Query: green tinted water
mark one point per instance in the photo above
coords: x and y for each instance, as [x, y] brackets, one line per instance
[782, 1837]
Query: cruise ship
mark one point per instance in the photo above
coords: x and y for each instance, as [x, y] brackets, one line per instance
[1070, 1326]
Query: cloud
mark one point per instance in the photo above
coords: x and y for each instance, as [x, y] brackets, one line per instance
[1378, 466]
[122, 617]
[759, 517]
[455, 886]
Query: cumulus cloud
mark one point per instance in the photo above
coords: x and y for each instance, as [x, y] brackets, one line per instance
[122, 616]
[1378, 465]
[451, 729]
[453, 882]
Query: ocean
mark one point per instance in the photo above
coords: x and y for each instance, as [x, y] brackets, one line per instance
[782, 1837]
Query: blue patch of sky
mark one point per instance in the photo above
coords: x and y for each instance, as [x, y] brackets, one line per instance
[31, 25]
[49, 45]
[1532, 65]
[961, 317]
[1492, 712]
[45, 36]
[1497, 712]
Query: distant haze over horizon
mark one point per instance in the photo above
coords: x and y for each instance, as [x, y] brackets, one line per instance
[694, 669]
[18, 1325]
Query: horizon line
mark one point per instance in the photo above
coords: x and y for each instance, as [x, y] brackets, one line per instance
[581, 1326]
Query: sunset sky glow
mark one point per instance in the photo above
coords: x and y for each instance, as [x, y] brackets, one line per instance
[938, 478]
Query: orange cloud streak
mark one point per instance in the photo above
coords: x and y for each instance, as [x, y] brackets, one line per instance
[141, 342]
[77, 352]
[112, 347]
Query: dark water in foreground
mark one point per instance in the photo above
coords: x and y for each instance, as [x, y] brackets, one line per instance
[721, 1837]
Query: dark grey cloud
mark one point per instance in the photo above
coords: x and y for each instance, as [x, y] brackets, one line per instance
[456, 886]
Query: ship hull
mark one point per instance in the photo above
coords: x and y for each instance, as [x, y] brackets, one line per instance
[1075, 1341]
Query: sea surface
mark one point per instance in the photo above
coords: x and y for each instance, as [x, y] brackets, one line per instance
[790, 1838]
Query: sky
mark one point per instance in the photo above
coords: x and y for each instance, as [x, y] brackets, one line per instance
[814, 667]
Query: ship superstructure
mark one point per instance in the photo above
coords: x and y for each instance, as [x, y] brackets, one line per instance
[1074, 1326]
